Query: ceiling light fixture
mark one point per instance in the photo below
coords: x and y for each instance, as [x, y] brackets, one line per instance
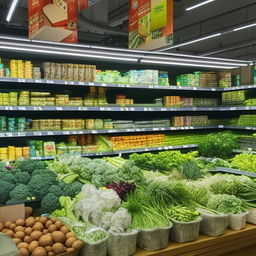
[198, 5]
[72, 50]
[7, 47]
[244, 27]
[196, 61]
[186, 64]
[11, 10]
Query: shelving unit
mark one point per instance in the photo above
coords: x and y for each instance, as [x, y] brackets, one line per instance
[116, 111]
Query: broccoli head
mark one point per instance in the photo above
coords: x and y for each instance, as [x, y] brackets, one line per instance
[73, 189]
[29, 165]
[22, 177]
[49, 203]
[39, 185]
[51, 176]
[20, 192]
[7, 176]
[56, 190]
[5, 188]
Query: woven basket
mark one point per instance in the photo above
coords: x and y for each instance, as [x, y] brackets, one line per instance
[213, 224]
[185, 231]
[237, 221]
[251, 218]
[93, 249]
[153, 239]
[123, 244]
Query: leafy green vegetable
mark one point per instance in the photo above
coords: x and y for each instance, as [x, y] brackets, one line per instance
[226, 204]
[20, 192]
[191, 170]
[219, 144]
[246, 162]
[183, 214]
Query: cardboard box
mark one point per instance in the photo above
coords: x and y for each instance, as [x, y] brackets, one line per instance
[12, 213]
[53, 20]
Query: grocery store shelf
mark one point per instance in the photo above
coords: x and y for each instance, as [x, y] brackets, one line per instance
[79, 132]
[129, 151]
[125, 109]
[128, 86]
[113, 131]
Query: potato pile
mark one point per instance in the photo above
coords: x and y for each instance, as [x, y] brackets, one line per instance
[41, 236]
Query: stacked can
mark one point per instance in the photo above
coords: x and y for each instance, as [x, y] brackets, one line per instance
[11, 124]
[13, 98]
[28, 73]
[1, 69]
[18, 153]
[3, 124]
[24, 98]
[21, 124]
[5, 99]
[11, 153]
[14, 68]
[25, 152]
[4, 154]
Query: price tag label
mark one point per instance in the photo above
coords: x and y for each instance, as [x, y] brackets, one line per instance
[66, 133]
[38, 108]
[221, 126]
[72, 83]
[213, 89]
[8, 108]
[163, 109]
[94, 132]
[2, 135]
[21, 134]
[155, 129]
[37, 133]
[65, 82]
[195, 88]
[233, 108]
[21, 108]
[49, 81]
[81, 83]
[50, 133]
[21, 80]
[38, 81]
[59, 108]
[145, 109]
[90, 83]
[103, 85]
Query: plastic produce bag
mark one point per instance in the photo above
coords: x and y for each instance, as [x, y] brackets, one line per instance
[7, 246]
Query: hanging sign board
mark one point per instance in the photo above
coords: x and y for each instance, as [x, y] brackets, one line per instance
[150, 24]
[53, 20]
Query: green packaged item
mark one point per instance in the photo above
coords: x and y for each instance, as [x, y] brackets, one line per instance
[11, 124]
[98, 124]
[3, 124]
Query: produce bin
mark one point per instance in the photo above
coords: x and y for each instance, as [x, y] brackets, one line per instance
[93, 249]
[213, 224]
[185, 231]
[251, 218]
[237, 221]
[153, 239]
[122, 244]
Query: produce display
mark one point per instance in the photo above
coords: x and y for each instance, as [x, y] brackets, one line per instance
[247, 120]
[41, 236]
[92, 200]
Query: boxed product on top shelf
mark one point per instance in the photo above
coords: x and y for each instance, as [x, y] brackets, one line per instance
[69, 71]
[152, 77]
[205, 79]
[233, 98]
[19, 69]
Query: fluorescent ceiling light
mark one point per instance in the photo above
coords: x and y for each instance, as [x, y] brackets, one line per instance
[73, 50]
[198, 5]
[11, 10]
[191, 42]
[186, 64]
[244, 27]
[7, 47]
[195, 60]
[122, 51]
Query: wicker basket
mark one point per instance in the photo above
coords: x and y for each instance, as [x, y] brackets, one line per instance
[154, 239]
[213, 224]
[251, 218]
[123, 244]
[93, 249]
[185, 231]
[237, 221]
